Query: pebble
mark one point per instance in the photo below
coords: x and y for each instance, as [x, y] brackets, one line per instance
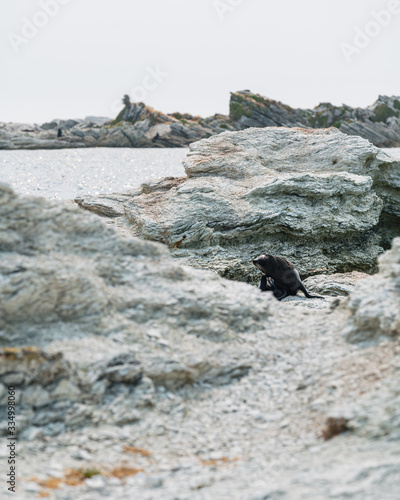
[95, 483]
[154, 481]
[82, 455]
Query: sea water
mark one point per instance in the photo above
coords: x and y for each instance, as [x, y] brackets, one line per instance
[68, 173]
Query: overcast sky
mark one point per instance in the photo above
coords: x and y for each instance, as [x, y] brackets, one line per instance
[187, 55]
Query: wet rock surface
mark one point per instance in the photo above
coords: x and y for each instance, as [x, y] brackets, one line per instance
[179, 384]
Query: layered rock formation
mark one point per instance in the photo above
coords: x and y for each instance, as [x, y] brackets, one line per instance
[138, 125]
[136, 377]
[379, 123]
[314, 196]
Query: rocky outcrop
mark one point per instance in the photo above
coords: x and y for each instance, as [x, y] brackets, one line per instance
[379, 123]
[314, 196]
[146, 127]
[92, 279]
[138, 125]
[135, 377]
[75, 134]
[69, 281]
[374, 305]
[334, 285]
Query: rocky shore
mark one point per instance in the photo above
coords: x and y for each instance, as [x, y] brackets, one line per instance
[138, 125]
[137, 375]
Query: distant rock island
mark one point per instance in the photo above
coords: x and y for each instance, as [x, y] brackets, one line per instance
[140, 126]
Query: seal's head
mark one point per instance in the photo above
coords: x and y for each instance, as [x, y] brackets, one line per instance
[262, 262]
[274, 266]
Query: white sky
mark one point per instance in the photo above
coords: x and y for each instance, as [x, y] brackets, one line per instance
[93, 51]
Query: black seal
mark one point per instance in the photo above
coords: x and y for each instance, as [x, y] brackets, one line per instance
[280, 276]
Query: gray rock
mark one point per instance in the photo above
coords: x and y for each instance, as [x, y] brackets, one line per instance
[154, 481]
[97, 120]
[36, 396]
[95, 483]
[31, 434]
[374, 306]
[95, 280]
[335, 285]
[3, 392]
[123, 368]
[50, 125]
[65, 389]
[307, 195]
[31, 365]
[68, 282]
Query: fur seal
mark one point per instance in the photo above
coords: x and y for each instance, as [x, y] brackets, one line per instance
[280, 276]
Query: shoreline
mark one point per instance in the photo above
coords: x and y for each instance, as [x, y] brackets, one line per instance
[140, 126]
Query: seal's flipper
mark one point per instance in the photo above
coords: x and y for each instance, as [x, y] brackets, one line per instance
[303, 289]
[283, 296]
[263, 283]
[267, 284]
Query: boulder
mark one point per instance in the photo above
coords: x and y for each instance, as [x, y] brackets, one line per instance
[60, 265]
[334, 285]
[96, 312]
[374, 306]
[376, 414]
[315, 197]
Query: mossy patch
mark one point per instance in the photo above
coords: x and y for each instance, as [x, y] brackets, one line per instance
[238, 97]
[322, 121]
[396, 104]
[259, 99]
[318, 121]
[383, 112]
[119, 118]
[237, 110]
[87, 473]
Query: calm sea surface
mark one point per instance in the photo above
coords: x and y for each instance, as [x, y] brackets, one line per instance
[67, 173]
